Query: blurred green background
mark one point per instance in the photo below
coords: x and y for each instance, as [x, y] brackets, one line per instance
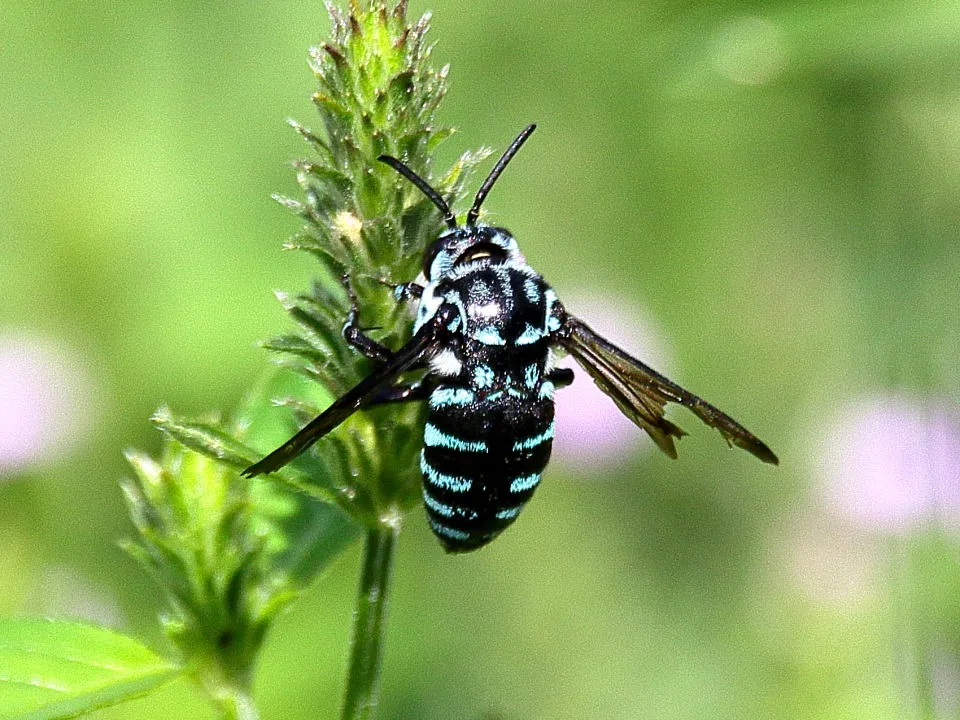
[773, 186]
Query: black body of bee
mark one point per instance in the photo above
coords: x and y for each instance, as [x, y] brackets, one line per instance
[485, 329]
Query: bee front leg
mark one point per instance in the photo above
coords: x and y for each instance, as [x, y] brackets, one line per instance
[355, 336]
[405, 291]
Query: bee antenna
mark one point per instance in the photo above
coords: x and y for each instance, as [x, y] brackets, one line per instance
[507, 156]
[423, 186]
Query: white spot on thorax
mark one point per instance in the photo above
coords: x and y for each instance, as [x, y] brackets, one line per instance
[446, 363]
[486, 311]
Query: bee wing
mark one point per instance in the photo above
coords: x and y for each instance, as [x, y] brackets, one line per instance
[363, 392]
[642, 393]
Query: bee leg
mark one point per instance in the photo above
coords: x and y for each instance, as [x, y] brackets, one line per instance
[355, 336]
[366, 345]
[405, 291]
[405, 392]
[402, 292]
[560, 377]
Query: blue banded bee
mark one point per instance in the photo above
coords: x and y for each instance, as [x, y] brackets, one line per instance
[486, 330]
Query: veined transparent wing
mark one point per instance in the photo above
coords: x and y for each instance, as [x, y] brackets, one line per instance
[642, 393]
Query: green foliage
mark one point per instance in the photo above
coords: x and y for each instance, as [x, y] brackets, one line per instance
[230, 552]
[59, 669]
[197, 537]
[216, 442]
[770, 189]
[377, 95]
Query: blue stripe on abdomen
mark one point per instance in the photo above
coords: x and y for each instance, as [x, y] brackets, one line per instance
[481, 463]
[524, 482]
[434, 437]
[447, 533]
[442, 481]
[529, 443]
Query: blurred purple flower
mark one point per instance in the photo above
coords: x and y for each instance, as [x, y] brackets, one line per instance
[44, 401]
[590, 430]
[891, 463]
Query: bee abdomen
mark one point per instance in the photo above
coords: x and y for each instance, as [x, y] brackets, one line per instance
[475, 485]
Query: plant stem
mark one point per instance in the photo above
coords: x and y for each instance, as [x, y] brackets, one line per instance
[237, 705]
[369, 620]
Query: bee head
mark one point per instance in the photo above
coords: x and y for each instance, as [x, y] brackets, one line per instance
[471, 242]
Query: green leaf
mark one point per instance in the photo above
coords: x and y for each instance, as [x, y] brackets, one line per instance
[60, 669]
[216, 443]
[304, 535]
